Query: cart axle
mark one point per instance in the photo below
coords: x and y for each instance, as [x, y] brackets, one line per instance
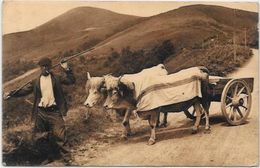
[236, 101]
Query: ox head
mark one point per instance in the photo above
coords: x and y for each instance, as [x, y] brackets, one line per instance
[95, 88]
[120, 93]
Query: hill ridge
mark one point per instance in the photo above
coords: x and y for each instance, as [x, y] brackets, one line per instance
[185, 27]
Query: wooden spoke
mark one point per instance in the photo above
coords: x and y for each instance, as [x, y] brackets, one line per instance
[230, 98]
[235, 114]
[240, 91]
[246, 96]
[235, 92]
[230, 112]
[228, 105]
[244, 107]
[239, 112]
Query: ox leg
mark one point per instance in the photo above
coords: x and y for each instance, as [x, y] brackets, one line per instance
[164, 124]
[126, 124]
[198, 117]
[158, 120]
[152, 122]
[206, 100]
[207, 126]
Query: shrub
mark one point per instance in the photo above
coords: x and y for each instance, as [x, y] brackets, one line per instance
[133, 61]
[220, 61]
[82, 59]
[164, 50]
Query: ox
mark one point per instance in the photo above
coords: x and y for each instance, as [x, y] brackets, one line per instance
[122, 94]
[96, 91]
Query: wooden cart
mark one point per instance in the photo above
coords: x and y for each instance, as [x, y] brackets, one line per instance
[234, 95]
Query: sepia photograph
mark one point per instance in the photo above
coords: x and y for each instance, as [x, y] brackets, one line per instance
[130, 83]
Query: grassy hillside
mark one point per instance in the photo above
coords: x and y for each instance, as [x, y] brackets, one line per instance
[80, 28]
[185, 27]
[71, 32]
[188, 27]
[218, 59]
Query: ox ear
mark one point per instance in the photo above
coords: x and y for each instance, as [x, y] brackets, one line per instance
[102, 87]
[88, 76]
[126, 88]
[123, 90]
[129, 85]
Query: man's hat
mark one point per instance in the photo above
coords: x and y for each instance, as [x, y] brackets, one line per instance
[45, 61]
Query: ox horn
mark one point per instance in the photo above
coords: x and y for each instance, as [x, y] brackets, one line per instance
[88, 76]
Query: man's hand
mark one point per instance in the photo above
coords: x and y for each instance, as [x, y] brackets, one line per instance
[8, 95]
[64, 64]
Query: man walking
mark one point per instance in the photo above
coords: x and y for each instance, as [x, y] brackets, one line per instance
[49, 104]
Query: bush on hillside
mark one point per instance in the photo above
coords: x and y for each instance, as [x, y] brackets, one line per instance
[19, 68]
[219, 60]
[164, 50]
[89, 44]
[133, 61]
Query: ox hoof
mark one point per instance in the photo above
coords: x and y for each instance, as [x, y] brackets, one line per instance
[207, 131]
[123, 137]
[163, 125]
[194, 131]
[129, 134]
[151, 142]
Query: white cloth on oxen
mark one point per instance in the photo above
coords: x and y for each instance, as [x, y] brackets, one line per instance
[158, 70]
[156, 91]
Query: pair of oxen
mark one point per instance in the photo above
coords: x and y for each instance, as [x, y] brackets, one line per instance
[119, 93]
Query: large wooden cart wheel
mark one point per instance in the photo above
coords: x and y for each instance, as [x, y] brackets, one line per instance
[191, 114]
[236, 101]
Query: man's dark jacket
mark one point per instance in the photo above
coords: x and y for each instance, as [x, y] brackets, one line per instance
[57, 81]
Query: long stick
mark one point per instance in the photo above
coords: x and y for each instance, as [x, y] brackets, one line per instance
[65, 60]
[73, 56]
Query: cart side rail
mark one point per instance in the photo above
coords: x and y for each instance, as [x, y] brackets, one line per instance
[217, 88]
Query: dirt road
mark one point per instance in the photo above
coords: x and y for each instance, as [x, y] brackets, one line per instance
[176, 146]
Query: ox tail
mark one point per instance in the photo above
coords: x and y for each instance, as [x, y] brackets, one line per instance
[206, 97]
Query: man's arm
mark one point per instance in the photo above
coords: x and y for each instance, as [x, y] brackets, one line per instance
[28, 89]
[70, 78]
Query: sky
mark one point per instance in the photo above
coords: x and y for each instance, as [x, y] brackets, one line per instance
[26, 15]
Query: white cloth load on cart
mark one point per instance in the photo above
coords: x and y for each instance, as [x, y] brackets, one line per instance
[155, 91]
[158, 70]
